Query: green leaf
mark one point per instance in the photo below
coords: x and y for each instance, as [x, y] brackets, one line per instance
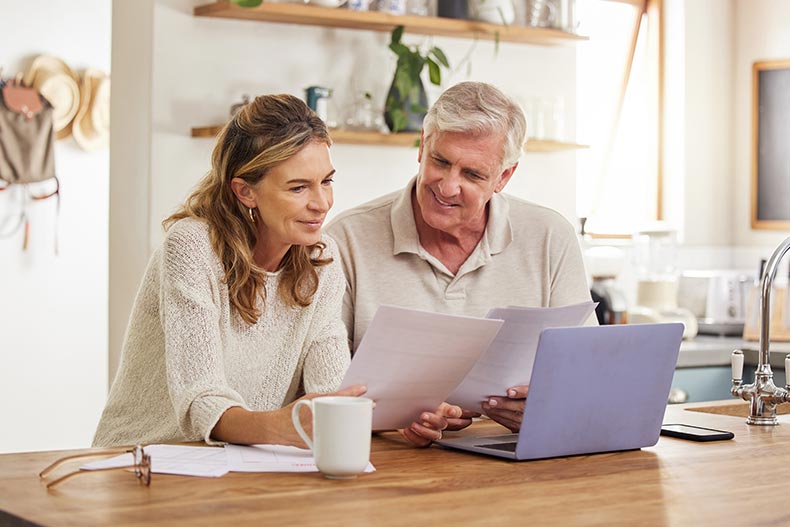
[440, 56]
[399, 121]
[434, 72]
[400, 50]
[397, 33]
[247, 3]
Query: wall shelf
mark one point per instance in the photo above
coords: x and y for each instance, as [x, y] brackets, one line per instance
[349, 137]
[377, 21]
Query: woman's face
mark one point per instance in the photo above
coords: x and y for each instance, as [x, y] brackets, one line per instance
[292, 200]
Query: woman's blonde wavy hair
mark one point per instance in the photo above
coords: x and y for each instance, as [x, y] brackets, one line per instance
[264, 133]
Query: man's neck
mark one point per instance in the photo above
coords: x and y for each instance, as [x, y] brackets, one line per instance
[450, 248]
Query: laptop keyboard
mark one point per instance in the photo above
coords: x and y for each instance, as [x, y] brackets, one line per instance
[506, 447]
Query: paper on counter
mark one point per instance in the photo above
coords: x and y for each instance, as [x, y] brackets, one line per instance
[411, 360]
[272, 458]
[508, 361]
[207, 462]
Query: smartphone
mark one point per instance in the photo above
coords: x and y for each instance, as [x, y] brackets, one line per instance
[695, 433]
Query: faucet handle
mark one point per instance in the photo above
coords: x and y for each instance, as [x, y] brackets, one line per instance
[787, 372]
[737, 365]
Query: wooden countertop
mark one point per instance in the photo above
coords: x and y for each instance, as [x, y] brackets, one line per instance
[676, 482]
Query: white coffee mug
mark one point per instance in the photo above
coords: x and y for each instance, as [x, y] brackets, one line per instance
[341, 433]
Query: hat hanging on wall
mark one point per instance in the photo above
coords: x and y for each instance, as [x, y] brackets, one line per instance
[91, 126]
[53, 79]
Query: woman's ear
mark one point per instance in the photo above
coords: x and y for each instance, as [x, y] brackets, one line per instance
[243, 192]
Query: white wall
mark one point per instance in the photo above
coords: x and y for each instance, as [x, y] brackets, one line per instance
[707, 167]
[708, 112]
[53, 308]
[762, 32]
[200, 66]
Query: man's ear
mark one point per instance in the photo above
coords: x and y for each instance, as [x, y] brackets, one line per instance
[504, 177]
[422, 143]
[243, 192]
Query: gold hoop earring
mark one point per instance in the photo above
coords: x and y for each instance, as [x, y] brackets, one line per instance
[252, 215]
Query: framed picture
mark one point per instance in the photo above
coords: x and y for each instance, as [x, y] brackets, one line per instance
[771, 145]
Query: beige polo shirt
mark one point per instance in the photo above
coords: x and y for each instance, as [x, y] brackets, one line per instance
[528, 256]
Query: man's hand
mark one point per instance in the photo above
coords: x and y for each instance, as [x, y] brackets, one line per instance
[428, 429]
[507, 411]
[463, 419]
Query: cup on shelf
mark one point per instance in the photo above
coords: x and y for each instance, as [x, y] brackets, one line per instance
[545, 118]
[421, 7]
[452, 8]
[359, 5]
[540, 13]
[362, 115]
[393, 7]
[493, 11]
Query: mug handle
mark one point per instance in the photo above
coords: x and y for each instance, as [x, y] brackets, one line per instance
[298, 423]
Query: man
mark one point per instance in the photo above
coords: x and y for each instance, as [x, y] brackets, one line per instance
[450, 242]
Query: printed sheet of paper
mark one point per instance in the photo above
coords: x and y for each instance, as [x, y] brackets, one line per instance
[272, 458]
[411, 360]
[508, 361]
[207, 462]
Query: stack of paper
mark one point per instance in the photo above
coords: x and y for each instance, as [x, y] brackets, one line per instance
[411, 361]
[213, 462]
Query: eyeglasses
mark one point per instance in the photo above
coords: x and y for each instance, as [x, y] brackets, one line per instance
[141, 466]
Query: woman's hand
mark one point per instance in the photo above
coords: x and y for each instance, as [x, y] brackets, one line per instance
[275, 427]
[509, 410]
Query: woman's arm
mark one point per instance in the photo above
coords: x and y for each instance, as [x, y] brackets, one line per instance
[238, 425]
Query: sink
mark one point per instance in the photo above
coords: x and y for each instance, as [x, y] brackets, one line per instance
[736, 409]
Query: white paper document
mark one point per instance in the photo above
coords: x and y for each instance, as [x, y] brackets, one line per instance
[272, 458]
[508, 360]
[207, 462]
[411, 360]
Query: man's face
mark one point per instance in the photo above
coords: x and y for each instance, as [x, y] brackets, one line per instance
[458, 175]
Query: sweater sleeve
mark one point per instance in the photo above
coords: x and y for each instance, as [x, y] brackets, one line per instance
[328, 354]
[190, 316]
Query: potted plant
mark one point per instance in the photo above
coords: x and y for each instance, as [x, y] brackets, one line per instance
[407, 102]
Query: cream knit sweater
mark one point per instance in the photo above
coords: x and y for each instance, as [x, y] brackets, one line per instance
[188, 357]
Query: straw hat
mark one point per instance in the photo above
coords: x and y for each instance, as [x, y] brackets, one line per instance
[91, 126]
[53, 79]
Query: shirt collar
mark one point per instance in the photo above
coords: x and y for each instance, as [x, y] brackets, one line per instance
[498, 235]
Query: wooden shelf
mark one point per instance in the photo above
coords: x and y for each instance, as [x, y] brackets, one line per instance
[376, 21]
[349, 137]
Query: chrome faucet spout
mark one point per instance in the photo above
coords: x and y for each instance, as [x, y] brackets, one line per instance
[765, 304]
[763, 395]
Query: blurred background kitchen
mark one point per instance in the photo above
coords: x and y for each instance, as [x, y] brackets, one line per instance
[642, 135]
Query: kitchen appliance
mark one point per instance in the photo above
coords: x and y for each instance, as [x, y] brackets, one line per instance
[604, 264]
[655, 253]
[717, 298]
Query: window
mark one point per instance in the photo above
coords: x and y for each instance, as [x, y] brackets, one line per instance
[618, 178]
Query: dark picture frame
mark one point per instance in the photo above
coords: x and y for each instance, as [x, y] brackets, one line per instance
[770, 186]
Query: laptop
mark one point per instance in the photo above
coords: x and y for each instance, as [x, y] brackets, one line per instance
[593, 389]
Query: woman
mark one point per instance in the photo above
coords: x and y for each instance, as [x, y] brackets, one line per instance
[239, 308]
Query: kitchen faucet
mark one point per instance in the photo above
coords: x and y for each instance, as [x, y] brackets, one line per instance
[763, 395]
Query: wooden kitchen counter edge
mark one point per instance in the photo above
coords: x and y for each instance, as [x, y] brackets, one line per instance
[676, 482]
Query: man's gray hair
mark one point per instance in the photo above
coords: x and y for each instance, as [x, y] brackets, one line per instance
[479, 108]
